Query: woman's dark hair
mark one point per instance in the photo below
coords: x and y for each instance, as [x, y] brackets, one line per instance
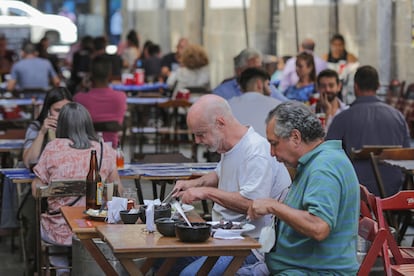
[308, 58]
[132, 37]
[53, 96]
[75, 123]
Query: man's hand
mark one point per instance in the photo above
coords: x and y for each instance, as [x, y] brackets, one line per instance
[261, 207]
[193, 194]
[327, 106]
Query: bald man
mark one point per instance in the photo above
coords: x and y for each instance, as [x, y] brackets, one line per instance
[245, 172]
[289, 75]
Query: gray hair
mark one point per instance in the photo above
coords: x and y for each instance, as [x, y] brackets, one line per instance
[292, 115]
[75, 123]
[241, 59]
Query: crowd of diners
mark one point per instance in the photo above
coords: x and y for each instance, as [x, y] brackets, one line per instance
[260, 130]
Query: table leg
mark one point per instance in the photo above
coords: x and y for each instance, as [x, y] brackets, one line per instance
[234, 265]
[166, 266]
[147, 265]
[99, 257]
[130, 266]
[208, 265]
[139, 191]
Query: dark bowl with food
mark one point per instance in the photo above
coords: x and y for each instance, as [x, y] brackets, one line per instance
[129, 218]
[166, 226]
[160, 211]
[199, 232]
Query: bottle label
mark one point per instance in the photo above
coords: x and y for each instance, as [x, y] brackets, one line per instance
[99, 193]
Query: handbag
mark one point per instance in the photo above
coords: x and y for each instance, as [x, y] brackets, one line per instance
[267, 237]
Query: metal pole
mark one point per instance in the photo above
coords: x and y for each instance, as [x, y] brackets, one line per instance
[246, 31]
[295, 16]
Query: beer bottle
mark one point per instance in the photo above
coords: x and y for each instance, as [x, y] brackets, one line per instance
[94, 186]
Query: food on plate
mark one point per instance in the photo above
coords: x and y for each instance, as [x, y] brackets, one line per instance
[227, 225]
[96, 213]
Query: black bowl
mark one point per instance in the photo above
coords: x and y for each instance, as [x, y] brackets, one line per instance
[199, 232]
[166, 226]
[160, 211]
[129, 218]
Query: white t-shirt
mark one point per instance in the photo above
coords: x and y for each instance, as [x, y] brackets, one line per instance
[249, 168]
[252, 108]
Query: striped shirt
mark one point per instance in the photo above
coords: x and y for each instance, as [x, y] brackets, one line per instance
[326, 186]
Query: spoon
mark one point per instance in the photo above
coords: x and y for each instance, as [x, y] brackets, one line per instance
[180, 210]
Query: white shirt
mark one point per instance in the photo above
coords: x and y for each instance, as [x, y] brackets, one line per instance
[252, 108]
[249, 168]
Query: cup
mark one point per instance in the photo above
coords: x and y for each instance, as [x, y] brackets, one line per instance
[108, 191]
[131, 194]
[139, 76]
[322, 118]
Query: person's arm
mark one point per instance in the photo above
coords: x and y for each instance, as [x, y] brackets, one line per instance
[11, 84]
[208, 180]
[351, 58]
[32, 153]
[36, 183]
[114, 177]
[230, 200]
[302, 221]
[56, 81]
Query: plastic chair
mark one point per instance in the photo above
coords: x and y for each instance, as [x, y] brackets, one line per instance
[62, 188]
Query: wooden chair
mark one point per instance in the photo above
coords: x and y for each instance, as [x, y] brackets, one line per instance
[111, 126]
[402, 201]
[368, 152]
[368, 230]
[62, 188]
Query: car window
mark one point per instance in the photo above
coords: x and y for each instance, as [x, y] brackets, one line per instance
[16, 12]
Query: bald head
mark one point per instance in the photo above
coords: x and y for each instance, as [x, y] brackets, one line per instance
[308, 45]
[207, 108]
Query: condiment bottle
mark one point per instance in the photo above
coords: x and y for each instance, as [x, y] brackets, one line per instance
[119, 158]
[94, 185]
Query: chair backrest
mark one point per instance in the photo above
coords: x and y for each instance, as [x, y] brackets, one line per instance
[61, 188]
[364, 152]
[378, 237]
[367, 207]
[397, 154]
[13, 134]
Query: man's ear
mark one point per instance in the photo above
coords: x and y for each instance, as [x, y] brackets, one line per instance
[296, 137]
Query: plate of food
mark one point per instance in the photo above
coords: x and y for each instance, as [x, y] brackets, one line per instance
[232, 226]
[96, 214]
[186, 208]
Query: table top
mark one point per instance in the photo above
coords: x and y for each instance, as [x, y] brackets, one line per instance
[20, 102]
[133, 238]
[78, 221]
[11, 144]
[160, 171]
[146, 101]
[406, 165]
[140, 88]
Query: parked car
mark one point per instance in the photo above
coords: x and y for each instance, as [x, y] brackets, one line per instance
[59, 29]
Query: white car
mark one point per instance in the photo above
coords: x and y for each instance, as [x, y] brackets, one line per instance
[59, 29]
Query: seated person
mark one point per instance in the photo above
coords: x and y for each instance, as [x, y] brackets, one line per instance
[246, 171]
[338, 53]
[67, 157]
[103, 103]
[305, 87]
[247, 58]
[194, 70]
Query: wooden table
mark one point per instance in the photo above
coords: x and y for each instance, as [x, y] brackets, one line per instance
[407, 167]
[129, 242]
[86, 230]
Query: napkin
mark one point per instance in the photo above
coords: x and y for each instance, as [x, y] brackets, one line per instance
[225, 234]
[116, 205]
